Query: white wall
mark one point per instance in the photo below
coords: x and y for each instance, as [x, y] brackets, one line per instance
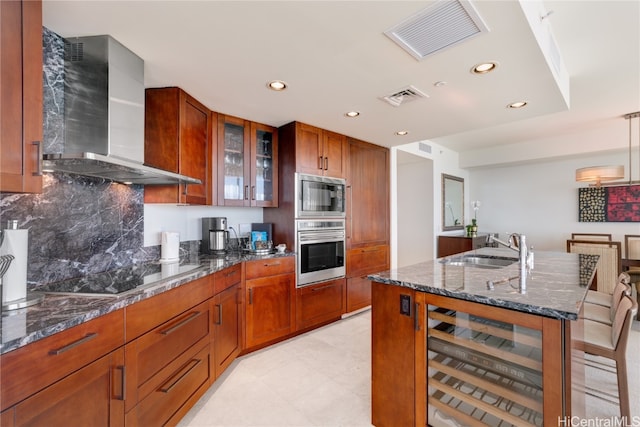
[540, 200]
[186, 220]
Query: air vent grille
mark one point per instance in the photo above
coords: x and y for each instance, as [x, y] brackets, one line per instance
[437, 27]
[74, 51]
[404, 95]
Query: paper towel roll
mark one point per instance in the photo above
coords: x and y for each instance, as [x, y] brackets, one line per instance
[170, 247]
[14, 282]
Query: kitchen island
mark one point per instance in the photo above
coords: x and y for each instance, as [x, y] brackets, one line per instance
[456, 342]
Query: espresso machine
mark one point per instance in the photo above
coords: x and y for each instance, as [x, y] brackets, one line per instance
[214, 235]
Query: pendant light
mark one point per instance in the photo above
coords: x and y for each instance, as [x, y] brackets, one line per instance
[603, 175]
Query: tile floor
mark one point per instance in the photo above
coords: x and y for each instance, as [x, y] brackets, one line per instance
[322, 378]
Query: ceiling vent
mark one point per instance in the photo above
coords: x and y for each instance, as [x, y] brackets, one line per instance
[437, 27]
[404, 95]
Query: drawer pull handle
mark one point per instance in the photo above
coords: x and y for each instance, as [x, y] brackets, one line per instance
[189, 367]
[68, 347]
[250, 296]
[180, 324]
[219, 321]
[123, 382]
[38, 171]
[320, 162]
[321, 288]
[416, 319]
[326, 163]
[275, 264]
[233, 273]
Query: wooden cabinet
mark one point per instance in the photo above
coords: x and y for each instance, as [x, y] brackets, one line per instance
[31, 368]
[92, 396]
[451, 245]
[168, 355]
[319, 303]
[367, 195]
[247, 163]
[21, 96]
[367, 219]
[269, 300]
[44, 383]
[317, 151]
[227, 318]
[179, 138]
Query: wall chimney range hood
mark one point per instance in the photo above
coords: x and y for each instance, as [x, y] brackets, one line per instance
[104, 115]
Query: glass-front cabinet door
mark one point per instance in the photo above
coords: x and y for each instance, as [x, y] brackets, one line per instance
[233, 161]
[264, 169]
[247, 163]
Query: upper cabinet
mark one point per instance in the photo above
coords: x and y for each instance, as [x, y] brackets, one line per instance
[178, 137]
[319, 151]
[21, 96]
[367, 194]
[247, 163]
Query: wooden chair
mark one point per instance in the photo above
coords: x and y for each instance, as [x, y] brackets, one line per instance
[591, 236]
[610, 341]
[609, 265]
[604, 314]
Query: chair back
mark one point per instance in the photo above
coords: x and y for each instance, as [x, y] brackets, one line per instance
[619, 291]
[591, 236]
[621, 325]
[609, 265]
[632, 246]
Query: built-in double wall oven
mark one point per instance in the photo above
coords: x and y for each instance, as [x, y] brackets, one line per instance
[320, 228]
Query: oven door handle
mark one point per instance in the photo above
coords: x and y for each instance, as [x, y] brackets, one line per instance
[320, 238]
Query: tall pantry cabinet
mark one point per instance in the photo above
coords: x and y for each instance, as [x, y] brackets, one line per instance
[367, 219]
[21, 96]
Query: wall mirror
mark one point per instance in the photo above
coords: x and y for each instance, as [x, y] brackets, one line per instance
[452, 202]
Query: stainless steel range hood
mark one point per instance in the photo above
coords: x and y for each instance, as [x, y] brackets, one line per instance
[104, 115]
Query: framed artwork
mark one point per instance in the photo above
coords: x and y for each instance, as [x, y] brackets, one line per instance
[609, 204]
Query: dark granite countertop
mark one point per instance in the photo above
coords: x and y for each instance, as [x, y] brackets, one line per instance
[62, 310]
[556, 287]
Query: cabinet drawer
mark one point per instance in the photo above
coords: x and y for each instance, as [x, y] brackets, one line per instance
[367, 260]
[319, 303]
[189, 375]
[152, 352]
[269, 267]
[226, 278]
[148, 314]
[35, 366]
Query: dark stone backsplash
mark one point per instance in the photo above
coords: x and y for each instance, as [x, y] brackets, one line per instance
[78, 225]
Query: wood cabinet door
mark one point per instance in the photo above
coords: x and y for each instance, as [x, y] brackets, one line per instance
[196, 155]
[309, 153]
[335, 154]
[234, 161]
[21, 96]
[227, 328]
[92, 396]
[319, 303]
[269, 308]
[358, 293]
[367, 195]
[178, 138]
[264, 166]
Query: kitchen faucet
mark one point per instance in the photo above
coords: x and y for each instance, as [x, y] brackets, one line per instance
[525, 255]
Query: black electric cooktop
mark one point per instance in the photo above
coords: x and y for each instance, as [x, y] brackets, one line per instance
[120, 281]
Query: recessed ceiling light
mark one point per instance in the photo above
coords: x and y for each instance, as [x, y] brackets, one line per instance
[518, 104]
[277, 85]
[440, 83]
[352, 114]
[484, 67]
[402, 132]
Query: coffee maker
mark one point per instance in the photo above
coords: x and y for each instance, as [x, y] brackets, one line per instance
[214, 235]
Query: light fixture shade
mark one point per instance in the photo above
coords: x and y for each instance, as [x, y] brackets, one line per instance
[600, 174]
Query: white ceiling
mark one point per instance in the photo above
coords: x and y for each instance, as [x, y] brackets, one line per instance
[335, 58]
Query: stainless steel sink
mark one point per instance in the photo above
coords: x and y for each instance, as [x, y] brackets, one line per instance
[479, 261]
